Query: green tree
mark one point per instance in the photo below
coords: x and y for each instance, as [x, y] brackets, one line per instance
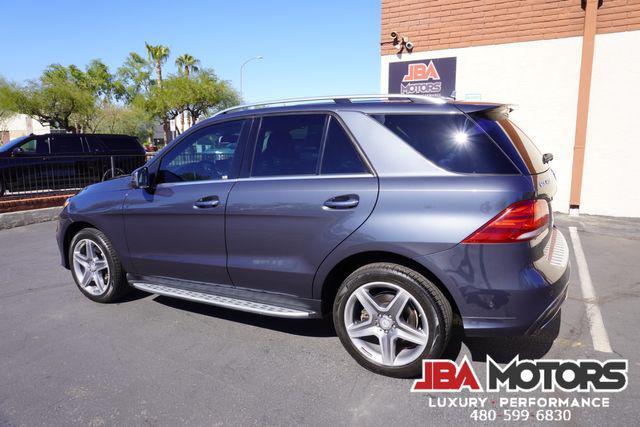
[158, 55]
[134, 77]
[124, 119]
[186, 64]
[199, 96]
[55, 99]
[209, 94]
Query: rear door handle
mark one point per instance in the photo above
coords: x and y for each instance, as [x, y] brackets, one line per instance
[207, 202]
[347, 201]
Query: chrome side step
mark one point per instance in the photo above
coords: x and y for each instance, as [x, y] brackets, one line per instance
[220, 301]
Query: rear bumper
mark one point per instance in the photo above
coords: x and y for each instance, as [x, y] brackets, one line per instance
[519, 325]
[505, 289]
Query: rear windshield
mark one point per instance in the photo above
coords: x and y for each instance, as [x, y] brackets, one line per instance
[515, 143]
[451, 141]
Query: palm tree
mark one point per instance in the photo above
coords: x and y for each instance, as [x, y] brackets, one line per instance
[158, 55]
[186, 65]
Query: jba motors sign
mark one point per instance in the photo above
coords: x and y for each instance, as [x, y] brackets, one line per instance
[432, 77]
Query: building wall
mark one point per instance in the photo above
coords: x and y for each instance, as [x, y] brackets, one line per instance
[19, 125]
[444, 24]
[611, 171]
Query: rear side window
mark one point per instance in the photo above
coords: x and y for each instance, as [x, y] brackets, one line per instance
[288, 145]
[120, 143]
[65, 144]
[452, 142]
[340, 156]
[511, 138]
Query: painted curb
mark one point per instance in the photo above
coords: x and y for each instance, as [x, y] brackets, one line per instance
[17, 219]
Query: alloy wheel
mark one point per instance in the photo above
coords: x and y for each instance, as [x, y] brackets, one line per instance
[386, 324]
[91, 267]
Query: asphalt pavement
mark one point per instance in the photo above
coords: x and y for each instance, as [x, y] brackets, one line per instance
[152, 360]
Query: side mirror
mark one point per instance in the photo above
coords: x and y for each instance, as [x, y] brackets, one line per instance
[17, 151]
[546, 158]
[140, 178]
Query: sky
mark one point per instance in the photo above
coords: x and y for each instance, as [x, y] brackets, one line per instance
[321, 47]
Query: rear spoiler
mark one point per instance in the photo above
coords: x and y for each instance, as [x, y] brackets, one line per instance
[489, 110]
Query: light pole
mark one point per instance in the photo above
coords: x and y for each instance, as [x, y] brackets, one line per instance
[242, 69]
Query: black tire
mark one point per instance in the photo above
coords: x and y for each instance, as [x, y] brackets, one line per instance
[116, 286]
[438, 314]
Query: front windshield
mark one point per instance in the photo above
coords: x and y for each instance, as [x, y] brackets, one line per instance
[12, 143]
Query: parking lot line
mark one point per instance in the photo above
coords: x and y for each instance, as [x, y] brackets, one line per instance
[594, 316]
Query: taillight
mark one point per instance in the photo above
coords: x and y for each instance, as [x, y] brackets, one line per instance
[519, 222]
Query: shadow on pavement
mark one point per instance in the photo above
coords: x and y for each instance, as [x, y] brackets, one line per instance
[306, 327]
[500, 349]
[134, 294]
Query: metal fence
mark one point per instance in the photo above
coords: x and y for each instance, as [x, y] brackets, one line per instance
[30, 176]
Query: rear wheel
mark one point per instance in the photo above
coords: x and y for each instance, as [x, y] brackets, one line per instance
[390, 317]
[96, 268]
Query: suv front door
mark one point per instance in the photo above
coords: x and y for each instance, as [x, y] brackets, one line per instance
[305, 190]
[27, 170]
[177, 230]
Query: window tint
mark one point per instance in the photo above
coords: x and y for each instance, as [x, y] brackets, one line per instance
[288, 145]
[120, 143]
[207, 154]
[65, 144]
[452, 142]
[340, 156]
[93, 144]
[35, 146]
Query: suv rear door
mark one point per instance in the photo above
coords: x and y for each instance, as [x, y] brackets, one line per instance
[305, 188]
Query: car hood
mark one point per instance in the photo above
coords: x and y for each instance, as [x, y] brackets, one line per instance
[117, 184]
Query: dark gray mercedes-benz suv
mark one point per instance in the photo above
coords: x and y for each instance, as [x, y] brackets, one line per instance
[389, 214]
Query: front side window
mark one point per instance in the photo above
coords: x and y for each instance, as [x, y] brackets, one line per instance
[288, 145]
[451, 141]
[207, 154]
[35, 147]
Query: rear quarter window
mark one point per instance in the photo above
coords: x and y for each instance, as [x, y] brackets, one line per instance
[120, 144]
[452, 141]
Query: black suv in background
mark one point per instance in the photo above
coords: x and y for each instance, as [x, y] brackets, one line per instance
[59, 161]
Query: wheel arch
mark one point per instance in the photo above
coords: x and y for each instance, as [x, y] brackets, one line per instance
[341, 270]
[73, 229]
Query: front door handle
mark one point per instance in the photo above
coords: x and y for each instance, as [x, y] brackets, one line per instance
[347, 201]
[207, 202]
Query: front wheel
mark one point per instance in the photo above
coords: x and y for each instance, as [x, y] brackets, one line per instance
[96, 268]
[389, 318]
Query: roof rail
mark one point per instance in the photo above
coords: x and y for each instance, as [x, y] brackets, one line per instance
[341, 99]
